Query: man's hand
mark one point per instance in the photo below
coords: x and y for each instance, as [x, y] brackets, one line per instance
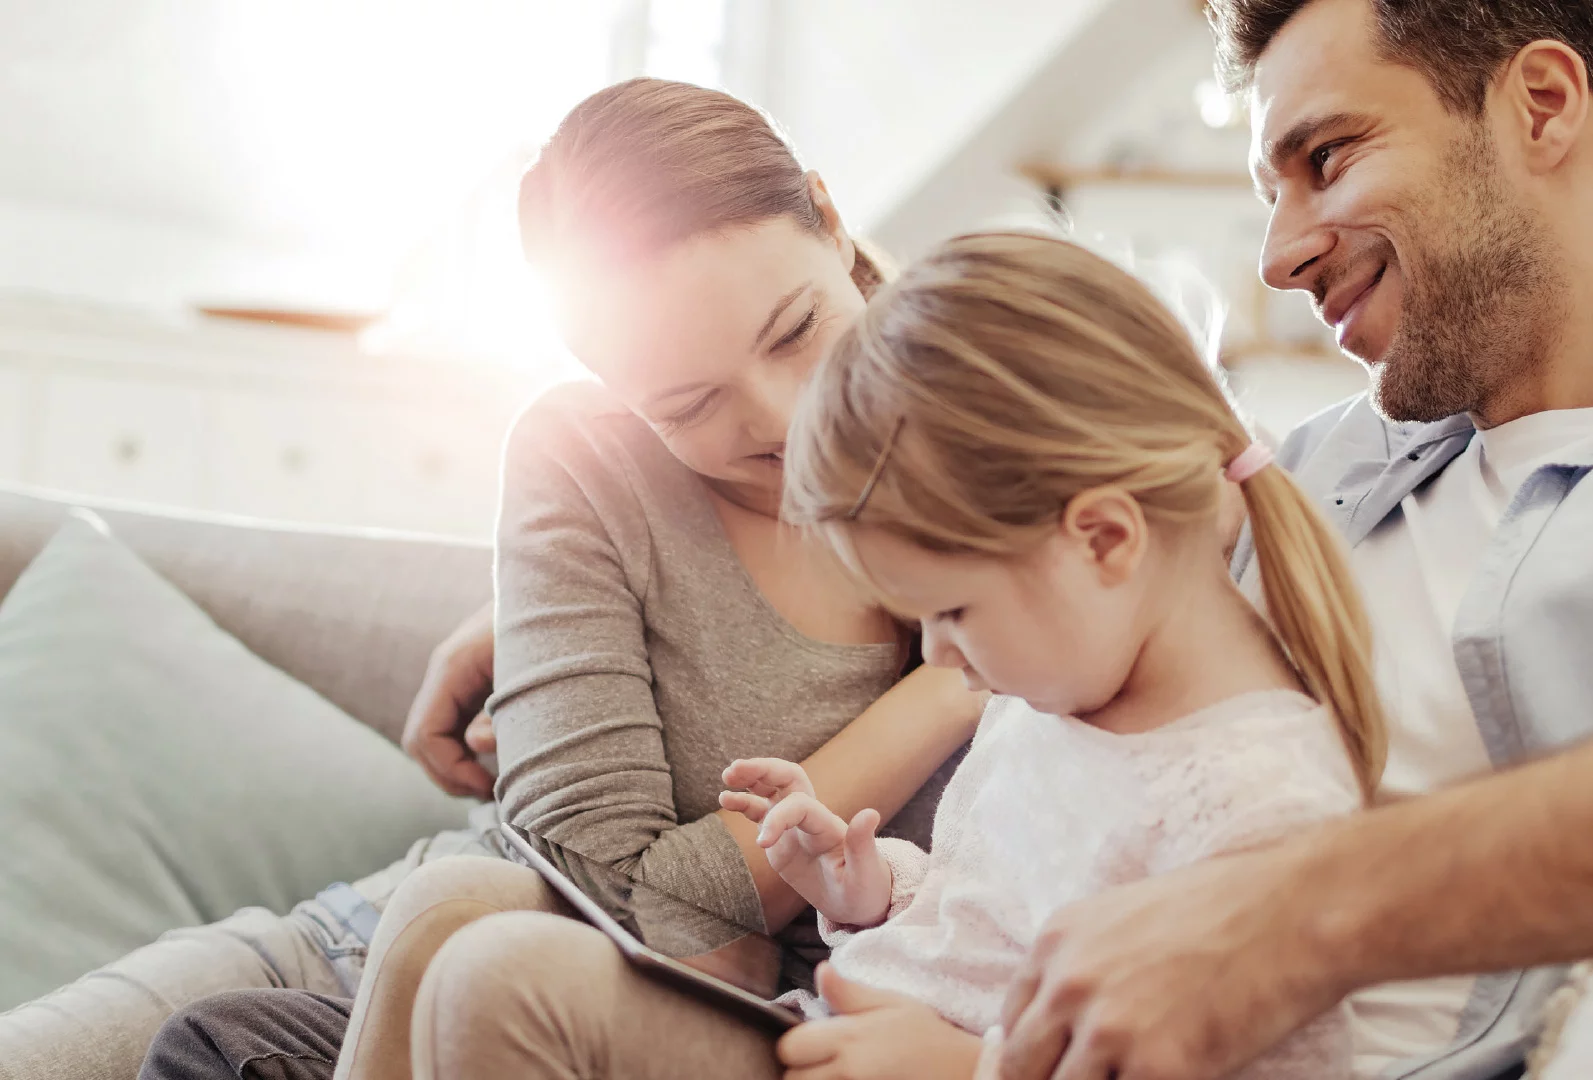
[1189, 976]
[832, 864]
[446, 728]
[876, 1035]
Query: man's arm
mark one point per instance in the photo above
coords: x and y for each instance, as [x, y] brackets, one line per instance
[1490, 875]
[1197, 973]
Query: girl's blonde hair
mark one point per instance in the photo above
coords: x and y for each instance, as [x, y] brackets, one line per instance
[1007, 373]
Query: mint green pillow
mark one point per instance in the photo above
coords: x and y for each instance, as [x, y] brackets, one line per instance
[154, 773]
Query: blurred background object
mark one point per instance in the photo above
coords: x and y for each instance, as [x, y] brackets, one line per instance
[260, 258]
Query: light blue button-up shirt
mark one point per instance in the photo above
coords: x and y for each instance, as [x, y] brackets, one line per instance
[1523, 641]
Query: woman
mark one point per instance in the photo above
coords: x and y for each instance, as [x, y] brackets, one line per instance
[655, 621]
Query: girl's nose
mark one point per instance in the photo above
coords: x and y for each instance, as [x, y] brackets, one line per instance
[939, 650]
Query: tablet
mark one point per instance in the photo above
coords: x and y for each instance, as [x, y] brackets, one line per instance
[632, 915]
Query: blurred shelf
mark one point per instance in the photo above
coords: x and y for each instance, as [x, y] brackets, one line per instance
[339, 322]
[1055, 178]
[1251, 352]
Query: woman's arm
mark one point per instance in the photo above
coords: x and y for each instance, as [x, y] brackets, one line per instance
[580, 741]
[878, 761]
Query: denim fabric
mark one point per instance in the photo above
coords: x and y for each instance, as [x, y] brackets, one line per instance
[101, 1026]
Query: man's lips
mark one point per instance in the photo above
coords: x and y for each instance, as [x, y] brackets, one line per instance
[1346, 300]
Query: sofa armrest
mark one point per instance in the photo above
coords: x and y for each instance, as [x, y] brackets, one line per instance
[352, 614]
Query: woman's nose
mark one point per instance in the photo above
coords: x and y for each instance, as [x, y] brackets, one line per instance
[772, 399]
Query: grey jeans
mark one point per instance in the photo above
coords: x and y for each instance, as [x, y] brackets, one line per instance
[99, 1027]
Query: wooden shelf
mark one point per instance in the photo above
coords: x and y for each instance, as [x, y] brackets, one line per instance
[1053, 177]
[339, 322]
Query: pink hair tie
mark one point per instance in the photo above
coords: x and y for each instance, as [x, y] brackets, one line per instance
[1254, 458]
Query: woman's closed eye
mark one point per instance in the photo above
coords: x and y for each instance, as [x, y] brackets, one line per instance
[799, 333]
[690, 414]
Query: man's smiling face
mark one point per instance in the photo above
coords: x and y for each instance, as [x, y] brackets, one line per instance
[1393, 212]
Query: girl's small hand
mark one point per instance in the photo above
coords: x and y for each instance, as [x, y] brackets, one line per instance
[760, 783]
[876, 1035]
[832, 864]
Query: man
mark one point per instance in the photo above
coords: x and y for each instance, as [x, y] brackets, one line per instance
[1429, 166]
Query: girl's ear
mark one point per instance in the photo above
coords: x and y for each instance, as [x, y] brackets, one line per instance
[1108, 524]
[832, 220]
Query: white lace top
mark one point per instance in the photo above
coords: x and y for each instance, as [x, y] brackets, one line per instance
[1046, 811]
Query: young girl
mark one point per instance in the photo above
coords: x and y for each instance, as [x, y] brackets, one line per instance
[1020, 448]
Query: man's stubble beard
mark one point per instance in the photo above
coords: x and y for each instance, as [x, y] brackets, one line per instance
[1481, 316]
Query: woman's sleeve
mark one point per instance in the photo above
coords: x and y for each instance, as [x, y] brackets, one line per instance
[580, 740]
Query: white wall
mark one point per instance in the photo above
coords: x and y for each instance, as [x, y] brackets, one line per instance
[132, 261]
[1087, 77]
[877, 94]
[288, 153]
[1120, 90]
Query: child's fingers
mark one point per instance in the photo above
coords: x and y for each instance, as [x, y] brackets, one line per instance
[769, 777]
[749, 806]
[804, 814]
[860, 836]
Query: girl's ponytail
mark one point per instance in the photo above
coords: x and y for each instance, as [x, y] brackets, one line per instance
[1316, 610]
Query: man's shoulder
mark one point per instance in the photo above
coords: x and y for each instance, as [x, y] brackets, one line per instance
[1350, 421]
[1351, 438]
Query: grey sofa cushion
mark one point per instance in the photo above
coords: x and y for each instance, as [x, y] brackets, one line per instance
[155, 773]
[352, 614]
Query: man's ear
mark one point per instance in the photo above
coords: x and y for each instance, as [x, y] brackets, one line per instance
[832, 220]
[1109, 524]
[1545, 90]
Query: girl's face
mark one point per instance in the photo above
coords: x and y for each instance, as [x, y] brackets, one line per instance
[1061, 626]
[711, 342]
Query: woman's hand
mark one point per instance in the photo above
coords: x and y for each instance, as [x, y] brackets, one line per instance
[446, 728]
[833, 865]
[876, 1035]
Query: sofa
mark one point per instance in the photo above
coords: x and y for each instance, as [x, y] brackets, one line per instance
[353, 615]
[197, 737]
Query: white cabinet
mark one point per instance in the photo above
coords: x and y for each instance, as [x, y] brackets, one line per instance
[120, 438]
[441, 464]
[289, 456]
[280, 425]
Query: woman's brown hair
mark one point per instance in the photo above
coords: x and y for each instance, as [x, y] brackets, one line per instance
[1009, 372]
[644, 164]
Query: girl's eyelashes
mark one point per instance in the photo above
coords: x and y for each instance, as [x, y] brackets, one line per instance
[952, 615]
[798, 333]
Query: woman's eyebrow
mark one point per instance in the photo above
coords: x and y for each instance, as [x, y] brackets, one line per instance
[779, 309]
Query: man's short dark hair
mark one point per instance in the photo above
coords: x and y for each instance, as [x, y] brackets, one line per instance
[1459, 45]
